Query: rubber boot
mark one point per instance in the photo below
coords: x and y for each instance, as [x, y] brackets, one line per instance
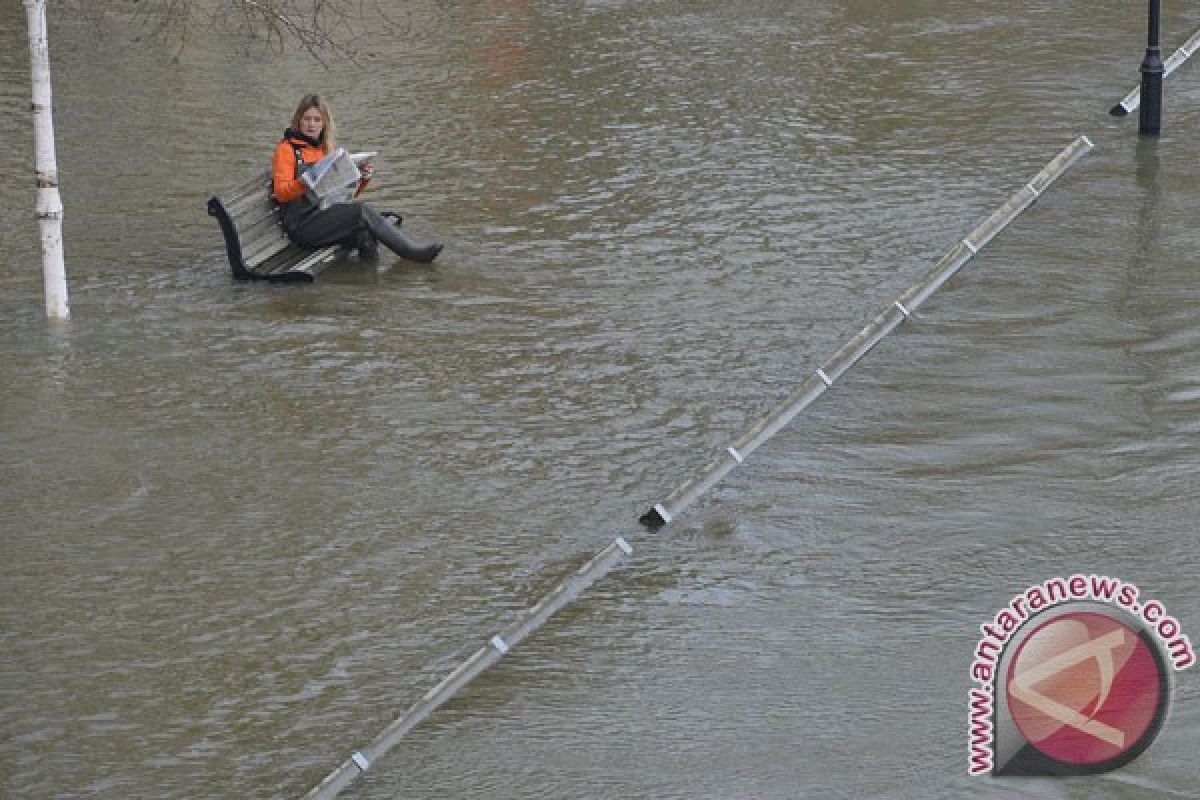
[366, 245]
[396, 241]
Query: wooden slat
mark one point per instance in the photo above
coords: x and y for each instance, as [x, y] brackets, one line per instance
[256, 257]
[298, 260]
[255, 226]
[266, 230]
[253, 204]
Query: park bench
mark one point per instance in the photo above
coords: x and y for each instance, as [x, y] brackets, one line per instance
[257, 246]
[255, 241]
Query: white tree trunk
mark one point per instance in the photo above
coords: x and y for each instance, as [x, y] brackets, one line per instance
[49, 202]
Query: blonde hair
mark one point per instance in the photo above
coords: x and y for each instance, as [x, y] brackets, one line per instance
[328, 138]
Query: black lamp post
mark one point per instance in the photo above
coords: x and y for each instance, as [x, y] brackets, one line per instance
[1150, 120]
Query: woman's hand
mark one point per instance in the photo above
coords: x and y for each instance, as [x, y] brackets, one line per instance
[365, 171]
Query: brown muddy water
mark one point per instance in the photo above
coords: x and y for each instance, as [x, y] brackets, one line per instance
[243, 527]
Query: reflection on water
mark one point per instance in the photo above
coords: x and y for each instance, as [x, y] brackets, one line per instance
[243, 527]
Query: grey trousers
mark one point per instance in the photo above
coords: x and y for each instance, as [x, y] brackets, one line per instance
[350, 224]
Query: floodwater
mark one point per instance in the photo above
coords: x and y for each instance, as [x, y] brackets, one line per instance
[243, 527]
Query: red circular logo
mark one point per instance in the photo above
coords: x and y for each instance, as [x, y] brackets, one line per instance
[1087, 690]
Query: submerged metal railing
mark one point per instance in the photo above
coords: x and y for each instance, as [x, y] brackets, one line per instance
[487, 655]
[605, 560]
[1134, 98]
[903, 307]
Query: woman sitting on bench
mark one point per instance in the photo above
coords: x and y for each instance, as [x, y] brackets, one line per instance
[309, 139]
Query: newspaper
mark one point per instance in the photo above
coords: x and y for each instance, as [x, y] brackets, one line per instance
[334, 178]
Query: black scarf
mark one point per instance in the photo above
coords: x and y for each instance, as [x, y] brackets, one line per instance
[294, 134]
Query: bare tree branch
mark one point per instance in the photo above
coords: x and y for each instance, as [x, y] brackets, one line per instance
[325, 29]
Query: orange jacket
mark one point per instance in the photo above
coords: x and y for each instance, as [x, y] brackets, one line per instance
[285, 183]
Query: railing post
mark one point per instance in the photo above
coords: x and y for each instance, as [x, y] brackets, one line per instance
[1150, 119]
